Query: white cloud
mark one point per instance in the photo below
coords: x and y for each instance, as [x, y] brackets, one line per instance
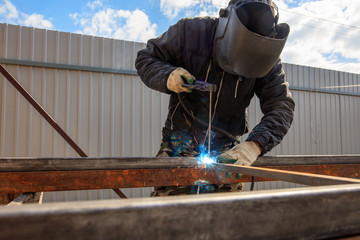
[95, 4]
[8, 11]
[319, 35]
[36, 20]
[172, 8]
[323, 34]
[122, 24]
[9, 14]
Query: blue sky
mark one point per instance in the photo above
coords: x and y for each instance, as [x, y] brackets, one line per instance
[324, 33]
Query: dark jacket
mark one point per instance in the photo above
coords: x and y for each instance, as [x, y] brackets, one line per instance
[188, 44]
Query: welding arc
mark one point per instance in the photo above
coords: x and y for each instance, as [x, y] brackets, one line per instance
[205, 123]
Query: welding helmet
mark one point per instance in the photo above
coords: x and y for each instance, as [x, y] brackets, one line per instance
[248, 40]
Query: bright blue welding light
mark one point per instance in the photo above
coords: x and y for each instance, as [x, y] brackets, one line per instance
[204, 158]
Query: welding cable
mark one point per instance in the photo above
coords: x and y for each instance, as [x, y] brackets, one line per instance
[205, 123]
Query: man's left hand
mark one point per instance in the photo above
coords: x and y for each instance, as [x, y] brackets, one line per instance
[244, 153]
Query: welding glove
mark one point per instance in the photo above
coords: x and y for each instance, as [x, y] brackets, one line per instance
[244, 153]
[175, 80]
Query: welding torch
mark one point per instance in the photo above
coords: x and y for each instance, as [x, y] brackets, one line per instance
[199, 85]
[203, 86]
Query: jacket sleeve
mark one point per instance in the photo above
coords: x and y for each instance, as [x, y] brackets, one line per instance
[160, 57]
[277, 106]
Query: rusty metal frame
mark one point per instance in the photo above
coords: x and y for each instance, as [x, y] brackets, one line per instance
[47, 117]
[50, 174]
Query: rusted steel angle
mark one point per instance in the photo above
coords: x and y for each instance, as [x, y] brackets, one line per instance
[13, 182]
[104, 173]
[109, 163]
[77, 164]
[328, 212]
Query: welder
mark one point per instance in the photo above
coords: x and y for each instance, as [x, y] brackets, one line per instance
[239, 52]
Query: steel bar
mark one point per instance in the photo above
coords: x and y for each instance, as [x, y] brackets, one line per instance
[62, 164]
[47, 116]
[20, 175]
[109, 179]
[15, 182]
[301, 213]
[288, 176]
[41, 110]
[306, 160]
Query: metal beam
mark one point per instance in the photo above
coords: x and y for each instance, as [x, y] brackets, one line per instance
[307, 160]
[69, 164]
[109, 179]
[108, 163]
[301, 213]
[34, 174]
[68, 67]
[287, 176]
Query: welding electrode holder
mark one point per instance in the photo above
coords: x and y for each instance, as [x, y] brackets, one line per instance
[201, 86]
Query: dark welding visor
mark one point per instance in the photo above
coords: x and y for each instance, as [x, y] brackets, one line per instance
[240, 51]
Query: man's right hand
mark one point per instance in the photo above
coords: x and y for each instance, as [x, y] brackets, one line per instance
[175, 80]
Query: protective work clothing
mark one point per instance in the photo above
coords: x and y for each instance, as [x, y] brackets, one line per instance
[244, 153]
[188, 44]
[175, 80]
[248, 40]
[192, 44]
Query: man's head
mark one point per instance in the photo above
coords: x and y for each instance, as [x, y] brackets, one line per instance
[248, 39]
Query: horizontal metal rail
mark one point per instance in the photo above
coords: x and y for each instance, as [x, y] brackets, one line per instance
[113, 163]
[302, 213]
[49, 174]
[134, 73]
[78, 164]
[67, 66]
[16, 182]
[319, 90]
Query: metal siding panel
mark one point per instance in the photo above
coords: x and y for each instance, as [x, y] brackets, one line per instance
[12, 41]
[352, 112]
[3, 40]
[126, 137]
[322, 111]
[347, 139]
[304, 113]
[50, 92]
[137, 117]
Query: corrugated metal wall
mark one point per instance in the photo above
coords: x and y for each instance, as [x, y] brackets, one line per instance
[90, 87]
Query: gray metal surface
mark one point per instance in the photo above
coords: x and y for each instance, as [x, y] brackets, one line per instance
[308, 213]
